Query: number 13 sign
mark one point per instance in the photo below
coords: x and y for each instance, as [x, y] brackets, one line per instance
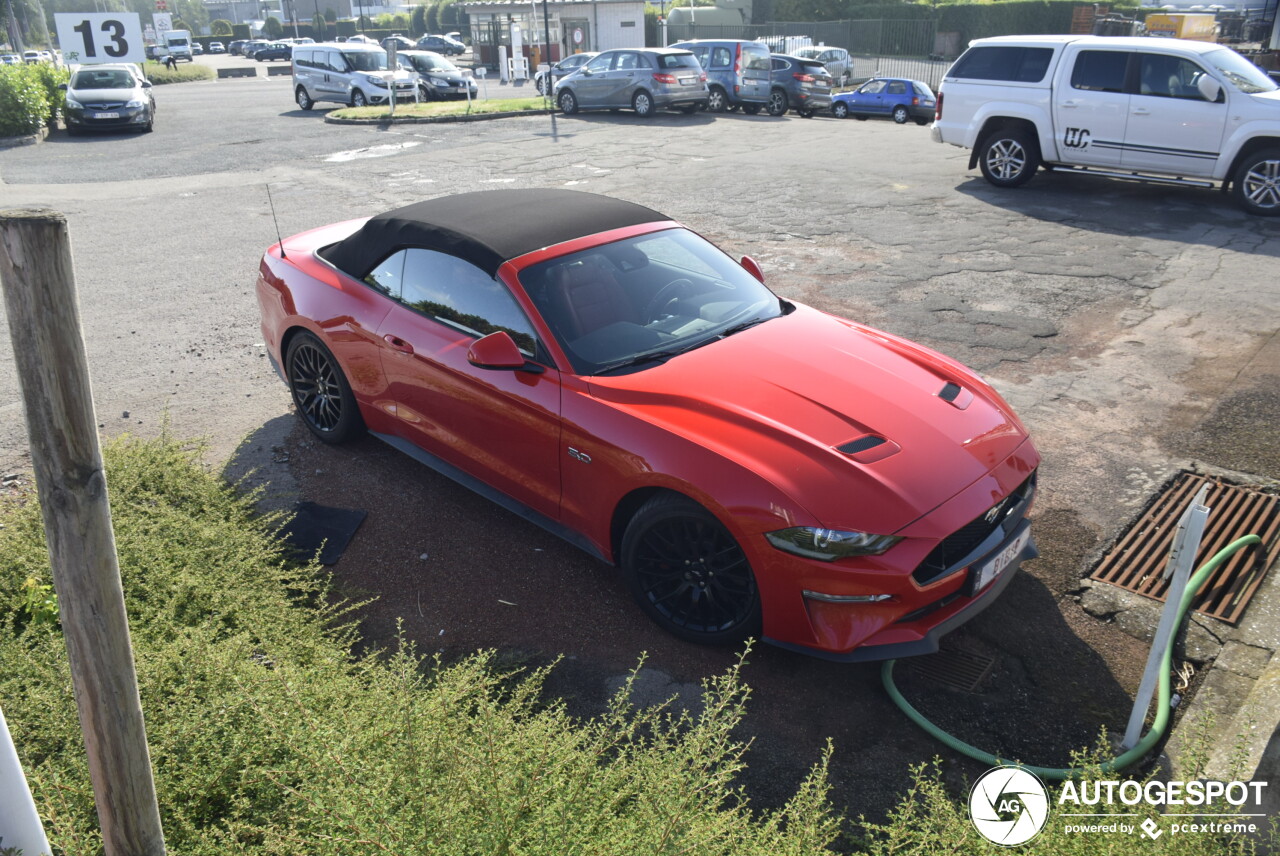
[89, 38]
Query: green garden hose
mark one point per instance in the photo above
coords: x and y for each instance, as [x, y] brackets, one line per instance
[1150, 739]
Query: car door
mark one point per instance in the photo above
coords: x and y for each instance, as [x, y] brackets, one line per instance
[1171, 127]
[868, 99]
[629, 71]
[592, 84]
[1091, 111]
[500, 426]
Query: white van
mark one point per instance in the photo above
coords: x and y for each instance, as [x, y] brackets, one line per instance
[178, 43]
[348, 73]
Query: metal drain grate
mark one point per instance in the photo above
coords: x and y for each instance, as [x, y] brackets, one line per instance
[1138, 560]
[961, 670]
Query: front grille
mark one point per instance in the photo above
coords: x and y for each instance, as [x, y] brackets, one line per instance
[955, 551]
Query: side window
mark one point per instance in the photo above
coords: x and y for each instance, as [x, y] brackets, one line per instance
[336, 61]
[1168, 77]
[386, 277]
[897, 87]
[779, 64]
[872, 88]
[1016, 64]
[627, 61]
[460, 295]
[302, 59]
[600, 63]
[720, 57]
[1100, 71]
[700, 53]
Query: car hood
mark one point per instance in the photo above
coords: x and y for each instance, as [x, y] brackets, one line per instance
[121, 95]
[781, 398]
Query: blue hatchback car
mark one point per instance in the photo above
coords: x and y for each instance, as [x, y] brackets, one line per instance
[891, 97]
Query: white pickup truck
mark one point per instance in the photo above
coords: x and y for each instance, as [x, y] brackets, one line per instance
[1155, 109]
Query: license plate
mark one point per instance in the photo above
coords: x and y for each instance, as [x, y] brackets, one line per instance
[106, 115]
[986, 573]
[685, 81]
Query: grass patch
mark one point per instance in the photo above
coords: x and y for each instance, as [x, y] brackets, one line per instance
[428, 109]
[185, 72]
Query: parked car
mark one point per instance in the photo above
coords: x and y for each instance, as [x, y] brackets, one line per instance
[799, 84]
[896, 98]
[275, 50]
[441, 45]
[108, 96]
[563, 68]
[437, 77]
[217, 48]
[836, 60]
[251, 47]
[236, 47]
[10, 59]
[31, 56]
[644, 79]
[361, 39]
[197, 49]
[402, 43]
[754, 466]
[738, 73]
[348, 73]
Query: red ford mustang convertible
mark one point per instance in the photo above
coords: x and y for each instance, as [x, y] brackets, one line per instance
[754, 466]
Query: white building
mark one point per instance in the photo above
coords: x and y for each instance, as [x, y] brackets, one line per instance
[574, 25]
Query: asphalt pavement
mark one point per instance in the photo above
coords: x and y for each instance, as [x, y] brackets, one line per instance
[1133, 327]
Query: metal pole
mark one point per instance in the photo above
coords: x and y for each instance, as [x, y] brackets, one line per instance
[1182, 555]
[44, 326]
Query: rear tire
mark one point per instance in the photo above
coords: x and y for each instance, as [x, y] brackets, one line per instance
[1009, 158]
[688, 573]
[642, 103]
[922, 122]
[901, 114]
[751, 109]
[321, 394]
[303, 99]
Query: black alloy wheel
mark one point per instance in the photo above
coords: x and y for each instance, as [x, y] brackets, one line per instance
[320, 391]
[777, 103]
[689, 574]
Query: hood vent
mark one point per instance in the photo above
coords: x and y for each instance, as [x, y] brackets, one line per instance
[956, 395]
[869, 448]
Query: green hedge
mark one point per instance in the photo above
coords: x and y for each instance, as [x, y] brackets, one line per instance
[29, 97]
[268, 736]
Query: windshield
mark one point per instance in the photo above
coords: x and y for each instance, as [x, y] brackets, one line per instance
[102, 80]
[432, 63]
[1243, 74]
[366, 60]
[631, 303]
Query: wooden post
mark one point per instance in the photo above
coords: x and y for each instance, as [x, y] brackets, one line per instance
[44, 326]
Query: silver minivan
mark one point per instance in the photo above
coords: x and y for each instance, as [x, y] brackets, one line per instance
[348, 73]
[644, 79]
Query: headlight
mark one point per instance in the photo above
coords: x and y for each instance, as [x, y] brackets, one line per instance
[439, 81]
[74, 104]
[827, 545]
[377, 81]
[137, 102]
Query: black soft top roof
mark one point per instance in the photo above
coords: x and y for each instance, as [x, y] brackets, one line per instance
[486, 228]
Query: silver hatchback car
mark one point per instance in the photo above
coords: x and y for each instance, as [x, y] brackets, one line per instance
[644, 79]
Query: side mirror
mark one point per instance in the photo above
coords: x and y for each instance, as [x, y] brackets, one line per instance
[146, 84]
[62, 86]
[1209, 88]
[496, 351]
[750, 266]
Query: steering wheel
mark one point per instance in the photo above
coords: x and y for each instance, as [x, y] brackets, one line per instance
[664, 298]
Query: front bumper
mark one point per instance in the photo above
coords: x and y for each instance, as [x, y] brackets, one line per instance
[106, 117]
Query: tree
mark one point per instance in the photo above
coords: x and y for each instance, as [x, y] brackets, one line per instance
[450, 16]
[433, 18]
[221, 27]
[418, 20]
[272, 28]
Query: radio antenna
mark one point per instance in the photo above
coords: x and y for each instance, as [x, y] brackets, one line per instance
[272, 203]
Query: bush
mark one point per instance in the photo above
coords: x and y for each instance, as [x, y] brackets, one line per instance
[25, 105]
[268, 736]
[186, 72]
[51, 77]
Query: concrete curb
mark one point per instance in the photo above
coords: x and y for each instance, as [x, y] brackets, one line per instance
[24, 140]
[430, 120]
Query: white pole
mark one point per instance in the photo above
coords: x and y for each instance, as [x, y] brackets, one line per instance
[19, 822]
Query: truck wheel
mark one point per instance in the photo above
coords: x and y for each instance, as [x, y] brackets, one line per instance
[1256, 186]
[1009, 158]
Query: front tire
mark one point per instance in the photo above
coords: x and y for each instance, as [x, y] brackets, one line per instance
[1009, 158]
[777, 103]
[840, 110]
[568, 102]
[642, 103]
[320, 390]
[1256, 186]
[688, 573]
[303, 99]
[900, 114]
[717, 100]
[358, 99]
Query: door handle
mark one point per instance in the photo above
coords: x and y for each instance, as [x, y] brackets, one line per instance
[1070, 104]
[398, 344]
[1142, 111]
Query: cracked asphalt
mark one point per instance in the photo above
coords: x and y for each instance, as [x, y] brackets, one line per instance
[1133, 327]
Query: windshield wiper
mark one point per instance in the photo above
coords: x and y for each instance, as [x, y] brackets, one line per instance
[738, 328]
[639, 359]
